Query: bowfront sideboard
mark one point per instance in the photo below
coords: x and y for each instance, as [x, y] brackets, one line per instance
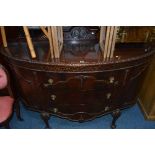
[79, 91]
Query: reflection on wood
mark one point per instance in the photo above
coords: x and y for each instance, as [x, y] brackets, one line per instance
[106, 41]
[110, 41]
[29, 42]
[102, 37]
[3, 36]
[55, 41]
[50, 42]
[44, 30]
[128, 34]
[113, 42]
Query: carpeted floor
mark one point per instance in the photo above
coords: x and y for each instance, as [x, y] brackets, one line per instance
[131, 118]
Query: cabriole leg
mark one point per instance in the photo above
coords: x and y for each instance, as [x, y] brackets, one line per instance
[115, 114]
[45, 117]
[5, 125]
[17, 108]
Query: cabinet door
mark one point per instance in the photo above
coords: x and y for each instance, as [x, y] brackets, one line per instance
[29, 83]
[132, 83]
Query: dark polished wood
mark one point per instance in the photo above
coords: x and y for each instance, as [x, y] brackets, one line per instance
[115, 114]
[45, 117]
[79, 86]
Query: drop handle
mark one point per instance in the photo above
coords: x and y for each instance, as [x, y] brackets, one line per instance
[108, 95]
[111, 79]
[55, 110]
[50, 83]
[106, 108]
[53, 97]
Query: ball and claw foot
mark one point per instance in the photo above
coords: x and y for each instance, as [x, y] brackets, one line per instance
[115, 114]
[20, 118]
[45, 117]
[7, 126]
[113, 126]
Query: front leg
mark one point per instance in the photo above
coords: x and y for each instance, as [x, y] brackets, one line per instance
[115, 114]
[45, 117]
[17, 108]
[7, 125]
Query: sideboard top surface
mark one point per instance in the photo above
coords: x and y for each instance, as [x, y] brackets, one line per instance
[86, 53]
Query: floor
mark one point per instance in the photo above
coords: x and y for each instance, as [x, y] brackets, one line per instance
[131, 118]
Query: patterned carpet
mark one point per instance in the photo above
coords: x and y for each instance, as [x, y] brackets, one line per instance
[131, 118]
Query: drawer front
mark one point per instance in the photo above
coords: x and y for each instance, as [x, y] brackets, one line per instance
[74, 102]
[68, 109]
[98, 90]
[81, 82]
[81, 93]
[86, 98]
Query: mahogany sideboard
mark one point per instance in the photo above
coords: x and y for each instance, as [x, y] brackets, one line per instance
[77, 90]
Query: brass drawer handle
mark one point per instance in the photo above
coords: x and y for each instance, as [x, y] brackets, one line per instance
[106, 108]
[111, 79]
[53, 97]
[108, 96]
[55, 110]
[81, 61]
[50, 82]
